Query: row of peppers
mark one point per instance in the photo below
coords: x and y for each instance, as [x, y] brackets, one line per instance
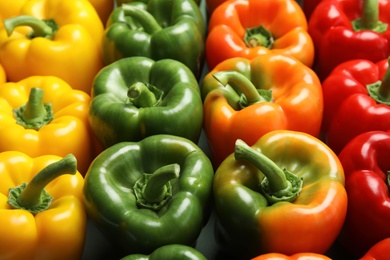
[132, 102]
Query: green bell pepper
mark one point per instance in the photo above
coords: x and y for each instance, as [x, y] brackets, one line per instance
[171, 252]
[147, 194]
[169, 29]
[136, 97]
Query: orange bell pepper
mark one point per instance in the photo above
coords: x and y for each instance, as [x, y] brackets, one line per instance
[103, 8]
[44, 115]
[42, 214]
[248, 28]
[299, 256]
[53, 38]
[245, 99]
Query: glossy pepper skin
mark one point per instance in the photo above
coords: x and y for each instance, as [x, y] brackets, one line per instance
[284, 194]
[298, 256]
[147, 194]
[3, 77]
[380, 251]
[68, 48]
[366, 165]
[343, 30]
[253, 97]
[136, 97]
[251, 28]
[170, 29]
[171, 252]
[9, 9]
[356, 89]
[52, 224]
[44, 115]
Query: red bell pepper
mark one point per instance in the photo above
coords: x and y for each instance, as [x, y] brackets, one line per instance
[380, 251]
[343, 30]
[366, 164]
[356, 100]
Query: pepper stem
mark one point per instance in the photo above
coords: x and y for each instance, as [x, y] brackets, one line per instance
[369, 19]
[41, 28]
[249, 94]
[147, 21]
[32, 196]
[278, 184]
[34, 114]
[154, 190]
[144, 95]
[258, 36]
[380, 90]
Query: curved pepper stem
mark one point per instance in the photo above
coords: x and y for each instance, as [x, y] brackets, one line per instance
[258, 36]
[370, 18]
[34, 114]
[32, 196]
[146, 20]
[41, 28]
[154, 190]
[249, 94]
[278, 184]
[380, 90]
[144, 95]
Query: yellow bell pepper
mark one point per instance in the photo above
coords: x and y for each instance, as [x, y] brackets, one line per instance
[42, 215]
[53, 38]
[44, 115]
[10, 8]
[3, 77]
[103, 8]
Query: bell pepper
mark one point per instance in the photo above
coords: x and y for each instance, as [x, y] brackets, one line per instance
[144, 195]
[343, 30]
[44, 115]
[3, 77]
[251, 28]
[380, 251]
[136, 97]
[9, 9]
[284, 194]
[170, 29]
[367, 179]
[53, 38]
[171, 252]
[41, 207]
[298, 256]
[103, 8]
[244, 99]
[356, 100]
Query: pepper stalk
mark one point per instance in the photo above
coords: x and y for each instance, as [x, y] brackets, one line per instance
[380, 90]
[369, 19]
[278, 184]
[40, 28]
[32, 196]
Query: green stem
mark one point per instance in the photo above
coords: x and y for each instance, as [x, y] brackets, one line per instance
[147, 21]
[32, 196]
[369, 19]
[143, 95]
[154, 190]
[278, 184]
[258, 36]
[40, 28]
[380, 90]
[244, 87]
[34, 114]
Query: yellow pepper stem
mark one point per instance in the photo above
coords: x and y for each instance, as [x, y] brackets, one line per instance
[154, 190]
[40, 28]
[278, 184]
[34, 114]
[32, 196]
